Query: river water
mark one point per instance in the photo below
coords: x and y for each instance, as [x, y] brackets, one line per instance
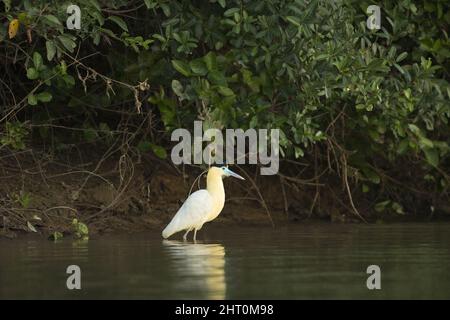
[319, 261]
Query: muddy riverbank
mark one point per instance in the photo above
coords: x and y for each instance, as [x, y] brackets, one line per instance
[117, 197]
[124, 195]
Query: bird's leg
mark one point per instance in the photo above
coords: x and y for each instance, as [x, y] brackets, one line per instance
[185, 235]
[195, 235]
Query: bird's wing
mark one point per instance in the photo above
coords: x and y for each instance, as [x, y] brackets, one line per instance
[196, 208]
[193, 212]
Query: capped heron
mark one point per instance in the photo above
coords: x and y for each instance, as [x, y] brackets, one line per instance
[202, 206]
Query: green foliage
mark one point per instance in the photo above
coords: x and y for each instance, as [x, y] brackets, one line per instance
[389, 206]
[80, 230]
[23, 199]
[137, 43]
[55, 236]
[14, 135]
[298, 65]
[146, 146]
[310, 68]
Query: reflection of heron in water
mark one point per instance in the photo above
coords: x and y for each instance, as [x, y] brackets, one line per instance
[199, 266]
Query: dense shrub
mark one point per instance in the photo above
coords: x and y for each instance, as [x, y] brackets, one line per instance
[374, 102]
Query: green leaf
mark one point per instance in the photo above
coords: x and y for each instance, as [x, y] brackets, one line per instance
[82, 228]
[52, 19]
[177, 88]
[425, 142]
[365, 188]
[415, 129]
[407, 93]
[231, 12]
[181, 67]
[144, 146]
[381, 206]
[294, 20]
[69, 80]
[150, 4]
[37, 60]
[298, 152]
[397, 207]
[402, 71]
[51, 49]
[432, 156]
[371, 175]
[225, 91]
[403, 146]
[218, 78]
[67, 42]
[95, 4]
[159, 151]
[211, 61]
[159, 37]
[32, 101]
[222, 3]
[109, 33]
[32, 73]
[165, 8]
[198, 67]
[44, 96]
[401, 56]
[97, 16]
[119, 21]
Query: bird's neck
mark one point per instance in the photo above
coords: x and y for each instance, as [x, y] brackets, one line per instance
[214, 185]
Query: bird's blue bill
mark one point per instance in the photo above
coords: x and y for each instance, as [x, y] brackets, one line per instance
[229, 173]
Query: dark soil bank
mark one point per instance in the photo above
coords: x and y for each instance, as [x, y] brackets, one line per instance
[120, 195]
[117, 196]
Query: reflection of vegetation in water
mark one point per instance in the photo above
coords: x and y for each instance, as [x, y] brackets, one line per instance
[55, 236]
[205, 263]
[80, 243]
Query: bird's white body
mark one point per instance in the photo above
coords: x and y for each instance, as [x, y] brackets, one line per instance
[192, 215]
[200, 207]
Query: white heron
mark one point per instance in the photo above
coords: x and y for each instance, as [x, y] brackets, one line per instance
[202, 206]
